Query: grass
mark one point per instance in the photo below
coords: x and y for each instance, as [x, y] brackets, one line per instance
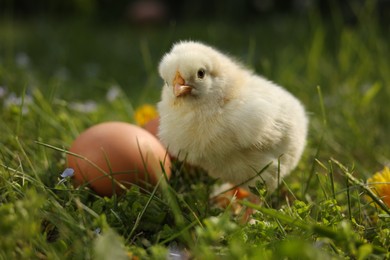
[55, 77]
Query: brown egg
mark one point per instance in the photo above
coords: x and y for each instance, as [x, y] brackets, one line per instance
[117, 152]
[152, 126]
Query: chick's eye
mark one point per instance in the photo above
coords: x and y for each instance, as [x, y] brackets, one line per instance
[201, 73]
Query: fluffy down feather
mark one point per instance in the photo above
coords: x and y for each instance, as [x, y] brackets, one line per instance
[218, 115]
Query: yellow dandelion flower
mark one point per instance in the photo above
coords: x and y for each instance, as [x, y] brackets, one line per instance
[380, 185]
[144, 114]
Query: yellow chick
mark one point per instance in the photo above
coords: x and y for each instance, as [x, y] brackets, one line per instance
[220, 116]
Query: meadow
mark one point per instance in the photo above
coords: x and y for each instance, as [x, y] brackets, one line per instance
[61, 76]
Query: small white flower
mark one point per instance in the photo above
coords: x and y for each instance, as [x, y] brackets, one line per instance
[113, 93]
[97, 231]
[22, 59]
[68, 172]
[13, 100]
[87, 107]
[3, 91]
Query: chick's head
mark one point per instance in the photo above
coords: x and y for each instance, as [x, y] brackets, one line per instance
[191, 70]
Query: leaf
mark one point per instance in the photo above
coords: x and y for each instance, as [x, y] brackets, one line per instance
[370, 94]
[364, 251]
[109, 246]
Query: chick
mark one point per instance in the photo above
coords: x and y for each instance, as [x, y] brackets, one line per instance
[220, 116]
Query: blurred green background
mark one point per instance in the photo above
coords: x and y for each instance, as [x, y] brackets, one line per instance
[79, 48]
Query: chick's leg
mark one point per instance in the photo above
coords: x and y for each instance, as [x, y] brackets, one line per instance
[228, 196]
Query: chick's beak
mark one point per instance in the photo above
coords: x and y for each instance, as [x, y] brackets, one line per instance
[179, 86]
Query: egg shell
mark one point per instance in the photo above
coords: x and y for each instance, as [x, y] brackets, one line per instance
[128, 153]
[152, 126]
